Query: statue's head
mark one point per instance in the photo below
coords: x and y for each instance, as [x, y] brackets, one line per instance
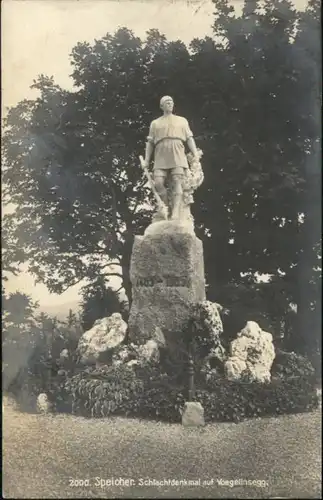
[167, 103]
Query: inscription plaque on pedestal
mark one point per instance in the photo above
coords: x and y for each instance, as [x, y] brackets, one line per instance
[171, 281]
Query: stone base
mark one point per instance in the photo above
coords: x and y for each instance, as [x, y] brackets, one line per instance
[193, 415]
[160, 227]
[167, 274]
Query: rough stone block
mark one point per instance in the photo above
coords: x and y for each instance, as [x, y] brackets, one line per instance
[193, 414]
[43, 403]
[252, 354]
[105, 334]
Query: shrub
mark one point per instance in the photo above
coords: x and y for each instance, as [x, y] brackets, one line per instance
[163, 395]
[225, 400]
[31, 379]
[37, 353]
[290, 364]
[104, 391]
[135, 392]
[162, 403]
[58, 395]
[146, 393]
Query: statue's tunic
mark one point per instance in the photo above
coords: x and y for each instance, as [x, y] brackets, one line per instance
[168, 134]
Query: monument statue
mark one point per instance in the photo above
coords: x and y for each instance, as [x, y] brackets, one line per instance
[167, 266]
[175, 174]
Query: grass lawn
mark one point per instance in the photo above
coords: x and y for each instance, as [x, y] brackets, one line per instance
[43, 454]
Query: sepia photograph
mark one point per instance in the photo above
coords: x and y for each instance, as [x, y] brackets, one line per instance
[161, 228]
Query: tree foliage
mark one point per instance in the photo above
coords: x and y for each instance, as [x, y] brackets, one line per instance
[32, 342]
[99, 301]
[251, 94]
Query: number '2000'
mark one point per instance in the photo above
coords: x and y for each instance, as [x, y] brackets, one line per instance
[79, 482]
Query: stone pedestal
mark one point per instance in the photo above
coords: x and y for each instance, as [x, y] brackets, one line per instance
[167, 274]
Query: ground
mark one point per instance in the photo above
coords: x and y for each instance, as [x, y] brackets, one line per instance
[42, 455]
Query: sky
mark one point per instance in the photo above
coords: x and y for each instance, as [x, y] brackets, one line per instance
[37, 37]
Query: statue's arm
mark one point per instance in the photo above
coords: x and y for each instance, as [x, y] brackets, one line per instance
[149, 152]
[190, 139]
[150, 144]
[192, 146]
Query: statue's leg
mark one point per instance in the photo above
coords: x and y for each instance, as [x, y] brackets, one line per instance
[177, 194]
[159, 177]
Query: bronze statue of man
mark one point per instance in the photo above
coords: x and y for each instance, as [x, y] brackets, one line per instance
[167, 137]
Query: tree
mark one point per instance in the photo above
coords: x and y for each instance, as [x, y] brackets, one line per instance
[262, 169]
[19, 308]
[307, 276]
[99, 301]
[70, 158]
[261, 152]
[19, 334]
[12, 255]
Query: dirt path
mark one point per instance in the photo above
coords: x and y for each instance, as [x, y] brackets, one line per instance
[43, 454]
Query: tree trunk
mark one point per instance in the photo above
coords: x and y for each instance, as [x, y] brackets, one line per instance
[125, 264]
